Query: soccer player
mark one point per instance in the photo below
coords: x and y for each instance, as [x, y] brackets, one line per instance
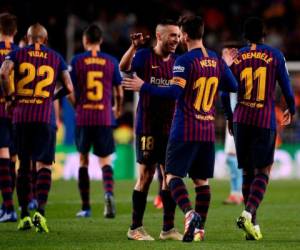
[153, 122]
[196, 77]
[235, 197]
[36, 70]
[8, 29]
[257, 67]
[96, 78]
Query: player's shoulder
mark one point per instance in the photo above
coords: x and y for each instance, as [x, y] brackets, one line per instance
[143, 53]
[212, 54]
[108, 57]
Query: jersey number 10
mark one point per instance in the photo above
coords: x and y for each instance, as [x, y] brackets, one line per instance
[207, 88]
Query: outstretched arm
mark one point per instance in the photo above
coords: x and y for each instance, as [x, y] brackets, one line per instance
[137, 84]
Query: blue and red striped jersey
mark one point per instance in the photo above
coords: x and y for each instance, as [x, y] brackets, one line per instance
[94, 74]
[257, 68]
[154, 114]
[200, 76]
[36, 70]
[5, 49]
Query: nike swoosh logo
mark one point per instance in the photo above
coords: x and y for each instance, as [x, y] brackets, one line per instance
[154, 67]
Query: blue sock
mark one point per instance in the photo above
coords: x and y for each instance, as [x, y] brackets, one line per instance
[236, 175]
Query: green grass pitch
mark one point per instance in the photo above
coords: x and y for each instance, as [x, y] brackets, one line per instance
[278, 217]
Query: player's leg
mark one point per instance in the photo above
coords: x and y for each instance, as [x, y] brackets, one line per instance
[8, 213]
[108, 186]
[200, 172]
[235, 196]
[12, 170]
[169, 232]
[33, 204]
[83, 145]
[258, 151]
[43, 153]
[103, 147]
[158, 198]
[23, 147]
[7, 210]
[139, 201]
[179, 158]
[84, 185]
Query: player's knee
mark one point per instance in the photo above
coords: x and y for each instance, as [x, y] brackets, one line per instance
[40, 165]
[266, 170]
[107, 160]
[84, 159]
[200, 182]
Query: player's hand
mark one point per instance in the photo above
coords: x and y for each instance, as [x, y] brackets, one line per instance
[230, 126]
[287, 118]
[117, 111]
[138, 39]
[134, 84]
[229, 56]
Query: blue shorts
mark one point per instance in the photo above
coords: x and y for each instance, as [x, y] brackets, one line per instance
[197, 159]
[35, 141]
[100, 137]
[151, 149]
[255, 146]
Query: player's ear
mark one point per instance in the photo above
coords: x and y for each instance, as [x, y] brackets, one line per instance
[46, 40]
[101, 40]
[158, 36]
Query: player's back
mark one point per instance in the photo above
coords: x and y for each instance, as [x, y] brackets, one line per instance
[195, 110]
[94, 74]
[5, 49]
[36, 69]
[257, 69]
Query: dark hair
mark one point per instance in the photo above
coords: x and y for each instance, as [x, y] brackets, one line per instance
[8, 24]
[167, 22]
[232, 44]
[192, 25]
[253, 29]
[93, 33]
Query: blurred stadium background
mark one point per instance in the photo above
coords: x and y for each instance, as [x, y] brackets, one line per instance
[65, 21]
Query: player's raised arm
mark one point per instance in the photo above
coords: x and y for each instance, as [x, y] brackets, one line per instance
[5, 71]
[137, 39]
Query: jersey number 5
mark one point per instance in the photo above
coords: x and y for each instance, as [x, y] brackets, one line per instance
[207, 88]
[31, 74]
[94, 86]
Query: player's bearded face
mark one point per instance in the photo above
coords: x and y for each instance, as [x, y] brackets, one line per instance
[170, 39]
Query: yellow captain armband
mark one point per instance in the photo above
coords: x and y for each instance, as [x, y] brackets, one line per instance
[178, 81]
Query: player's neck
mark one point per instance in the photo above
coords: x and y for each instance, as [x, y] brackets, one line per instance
[93, 47]
[194, 44]
[6, 38]
[160, 52]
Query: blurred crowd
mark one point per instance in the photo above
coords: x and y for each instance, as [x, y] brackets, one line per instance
[65, 21]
